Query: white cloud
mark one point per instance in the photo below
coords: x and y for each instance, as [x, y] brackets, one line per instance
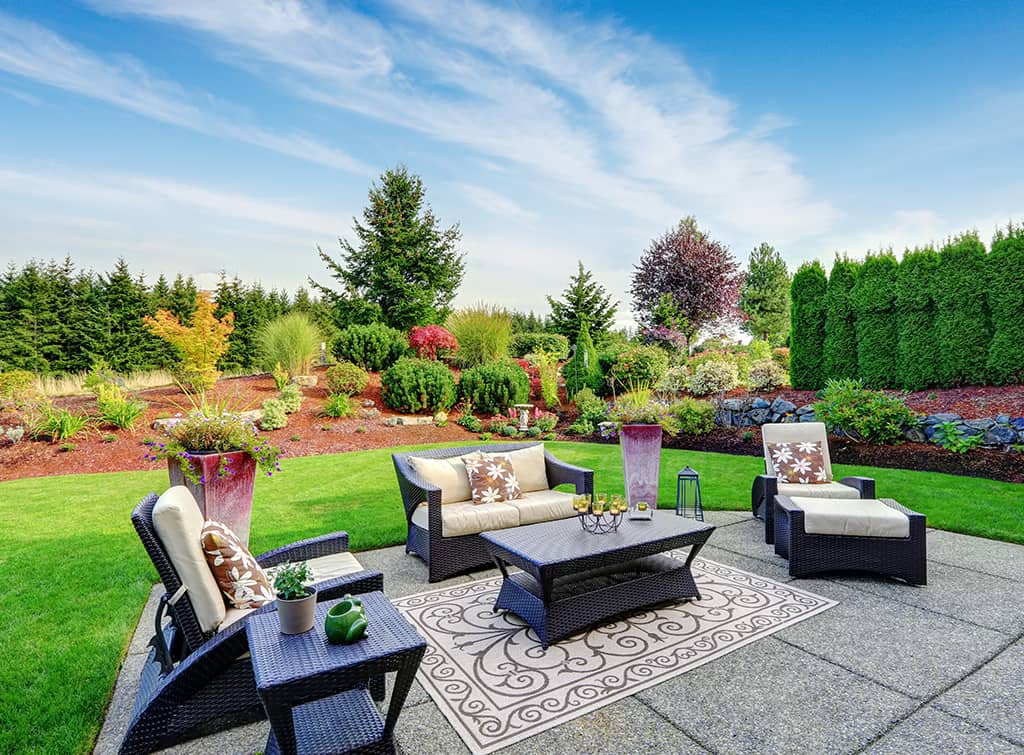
[36, 53]
[613, 117]
[493, 202]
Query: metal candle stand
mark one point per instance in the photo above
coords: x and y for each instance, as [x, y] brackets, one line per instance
[599, 524]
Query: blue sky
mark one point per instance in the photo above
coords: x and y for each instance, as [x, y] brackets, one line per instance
[192, 136]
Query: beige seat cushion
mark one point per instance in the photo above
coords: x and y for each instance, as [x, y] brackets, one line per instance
[820, 490]
[859, 518]
[325, 567]
[448, 474]
[544, 506]
[233, 615]
[179, 525]
[528, 464]
[467, 518]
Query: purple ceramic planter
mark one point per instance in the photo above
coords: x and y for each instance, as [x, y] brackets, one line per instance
[227, 499]
[641, 458]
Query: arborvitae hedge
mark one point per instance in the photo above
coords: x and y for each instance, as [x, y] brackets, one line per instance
[1006, 303]
[807, 337]
[916, 359]
[874, 299]
[963, 326]
[840, 360]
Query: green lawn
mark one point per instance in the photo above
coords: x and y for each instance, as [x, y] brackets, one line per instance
[75, 577]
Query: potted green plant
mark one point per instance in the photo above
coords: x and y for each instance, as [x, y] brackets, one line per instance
[296, 601]
[214, 451]
[640, 422]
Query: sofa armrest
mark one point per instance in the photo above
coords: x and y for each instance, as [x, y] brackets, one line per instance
[303, 550]
[414, 489]
[864, 485]
[560, 473]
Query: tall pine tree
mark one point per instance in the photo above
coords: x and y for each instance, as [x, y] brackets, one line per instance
[130, 346]
[584, 299]
[764, 295]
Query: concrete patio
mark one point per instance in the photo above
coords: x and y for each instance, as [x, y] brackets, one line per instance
[892, 668]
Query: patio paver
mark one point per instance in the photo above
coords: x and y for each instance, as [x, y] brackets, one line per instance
[891, 668]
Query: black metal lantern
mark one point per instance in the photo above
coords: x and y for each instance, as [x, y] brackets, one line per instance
[688, 501]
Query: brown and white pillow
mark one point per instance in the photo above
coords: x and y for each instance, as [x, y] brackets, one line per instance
[492, 479]
[798, 462]
[238, 574]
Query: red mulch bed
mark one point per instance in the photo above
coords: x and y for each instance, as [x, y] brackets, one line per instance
[319, 435]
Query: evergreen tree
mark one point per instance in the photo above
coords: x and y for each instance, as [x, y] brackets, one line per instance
[231, 296]
[583, 370]
[86, 328]
[1006, 302]
[183, 297]
[807, 318]
[318, 313]
[583, 299]
[405, 266]
[874, 302]
[32, 329]
[764, 295]
[528, 322]
[129, 346]
[840, 351]
[963, 326]
[915, 312]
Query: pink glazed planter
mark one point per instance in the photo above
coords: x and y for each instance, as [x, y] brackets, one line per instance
[641, 458]
[226, 499]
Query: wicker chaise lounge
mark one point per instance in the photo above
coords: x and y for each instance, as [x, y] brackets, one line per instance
[448, 555]
[198, 678]
[767, 486]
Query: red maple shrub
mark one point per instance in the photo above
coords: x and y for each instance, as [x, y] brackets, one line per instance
[432, 341]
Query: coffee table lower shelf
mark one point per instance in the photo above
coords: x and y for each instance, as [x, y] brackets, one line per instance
[585, 598]
[343, 723]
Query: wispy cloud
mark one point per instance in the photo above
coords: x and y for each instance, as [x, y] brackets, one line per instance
[610, 116]
[37, 53]
[494, 202]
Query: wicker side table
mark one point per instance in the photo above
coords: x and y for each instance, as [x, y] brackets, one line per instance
[315, 693]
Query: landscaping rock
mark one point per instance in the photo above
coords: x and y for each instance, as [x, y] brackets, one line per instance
[11, 435]
[253, 415]
[805, 409]
[968, 430]
[304, 381]
[915, 435]
[371, 413]
[980, 424]
[413, 421]
[1003, 419]
[809, 417]
[935, 419]
[999, 435]
[759, 415]
[733, 404]
[165, 425]
[368, 402]
[760, 403]
[781, 406]
[1017, 424]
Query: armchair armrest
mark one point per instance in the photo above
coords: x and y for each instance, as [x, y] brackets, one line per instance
[366, 580]
[762, 492]
[864, 485]
[787, 524]
[324, 545]
[560, 473]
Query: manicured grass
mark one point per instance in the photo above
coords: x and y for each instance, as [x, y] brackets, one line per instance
[75, 577]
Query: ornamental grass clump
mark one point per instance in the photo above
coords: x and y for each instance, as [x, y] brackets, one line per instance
[484, 333]
[291, 341]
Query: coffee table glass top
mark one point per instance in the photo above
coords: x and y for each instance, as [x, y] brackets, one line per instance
[565, 540]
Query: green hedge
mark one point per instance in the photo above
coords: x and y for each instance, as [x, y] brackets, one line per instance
[840, 357]
[874, 299]
[963, 327]
[807, 338]
[494, 387]
[535, 343]
[916, 360]
[1006, 302]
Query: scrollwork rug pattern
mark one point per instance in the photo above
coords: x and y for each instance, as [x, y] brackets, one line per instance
[487, 673]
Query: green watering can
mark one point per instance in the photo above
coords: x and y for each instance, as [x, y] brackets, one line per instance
[346, 621]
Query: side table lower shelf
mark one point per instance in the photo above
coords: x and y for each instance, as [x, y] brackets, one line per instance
[346, 722]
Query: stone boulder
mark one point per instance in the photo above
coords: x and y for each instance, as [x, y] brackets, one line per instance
[999, 435]
[782, 406]
[760, 403]
[303, 381]
[935, 419]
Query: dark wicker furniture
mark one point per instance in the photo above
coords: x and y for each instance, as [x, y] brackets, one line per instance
[765, 489]
[315, 693]
[448, 556]
[572, 579]
[195, 683]
[811, 554]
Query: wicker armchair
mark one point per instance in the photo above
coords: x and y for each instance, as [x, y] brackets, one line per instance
[767, 486]
[196, 682]
[448, 556]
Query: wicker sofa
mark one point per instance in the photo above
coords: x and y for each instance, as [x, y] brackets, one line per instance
[444, 527]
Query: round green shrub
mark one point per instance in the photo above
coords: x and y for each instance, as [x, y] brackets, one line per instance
[346, 379]
[373, 347]
[291, 398]
[590, 406]
[639, 366]
[693, 417]
[807, 320]
[766, 375]
[274, 415]
[675, 379]
[415, 385]
[873, 416]
[493, 387]
[536, 343]
[714, 376]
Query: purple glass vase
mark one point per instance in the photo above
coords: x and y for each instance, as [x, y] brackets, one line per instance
[641, 458]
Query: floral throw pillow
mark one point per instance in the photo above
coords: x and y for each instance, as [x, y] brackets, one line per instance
[798, 462]
[492, 479]
[238, 574]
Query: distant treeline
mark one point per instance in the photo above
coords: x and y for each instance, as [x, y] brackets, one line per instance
[57, 319]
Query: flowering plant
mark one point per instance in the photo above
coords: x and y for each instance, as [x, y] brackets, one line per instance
[214, 429]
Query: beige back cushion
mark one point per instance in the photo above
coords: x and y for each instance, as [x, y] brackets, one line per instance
[448, 474]
[528, 464]
[796, 432]
[179, 525]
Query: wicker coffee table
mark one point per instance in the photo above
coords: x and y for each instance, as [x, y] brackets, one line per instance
[316, 693]
[572, 579]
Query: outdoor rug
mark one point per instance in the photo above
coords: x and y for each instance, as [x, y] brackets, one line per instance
[494, 683]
